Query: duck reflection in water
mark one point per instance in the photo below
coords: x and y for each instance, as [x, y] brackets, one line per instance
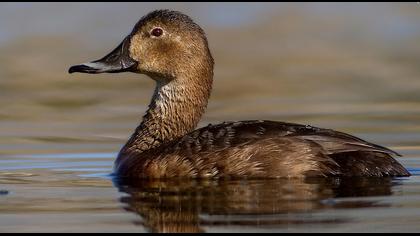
[180, 205]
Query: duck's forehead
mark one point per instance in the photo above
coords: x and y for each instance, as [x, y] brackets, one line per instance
[143, 24]
[164, 18]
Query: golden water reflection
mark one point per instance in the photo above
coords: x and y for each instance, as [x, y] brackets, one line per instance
[190, 206]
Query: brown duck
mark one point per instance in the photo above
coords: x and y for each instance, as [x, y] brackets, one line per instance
[172, 50]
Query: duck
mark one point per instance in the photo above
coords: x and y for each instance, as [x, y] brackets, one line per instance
[171, 49]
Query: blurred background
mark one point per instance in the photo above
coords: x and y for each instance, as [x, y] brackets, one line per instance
[352, 67]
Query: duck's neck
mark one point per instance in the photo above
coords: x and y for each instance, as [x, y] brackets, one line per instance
[175, 110]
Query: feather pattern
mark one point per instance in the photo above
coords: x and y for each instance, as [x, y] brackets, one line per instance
[240, 149]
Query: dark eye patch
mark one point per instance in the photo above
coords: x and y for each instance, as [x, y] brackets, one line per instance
[157, 32]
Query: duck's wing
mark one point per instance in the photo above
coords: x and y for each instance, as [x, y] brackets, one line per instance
[336, 153]
[233, 133]
[264, 149]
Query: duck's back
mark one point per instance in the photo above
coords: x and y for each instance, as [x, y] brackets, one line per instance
[262, 149]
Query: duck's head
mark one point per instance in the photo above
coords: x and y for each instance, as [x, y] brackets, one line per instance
[164, 45]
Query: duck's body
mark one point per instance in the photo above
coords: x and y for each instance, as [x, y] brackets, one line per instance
[173, 50]
[261, 149]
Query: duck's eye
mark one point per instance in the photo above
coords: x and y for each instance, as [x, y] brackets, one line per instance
[157, 32]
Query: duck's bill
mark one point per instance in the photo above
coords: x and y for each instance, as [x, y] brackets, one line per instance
[118, 60]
